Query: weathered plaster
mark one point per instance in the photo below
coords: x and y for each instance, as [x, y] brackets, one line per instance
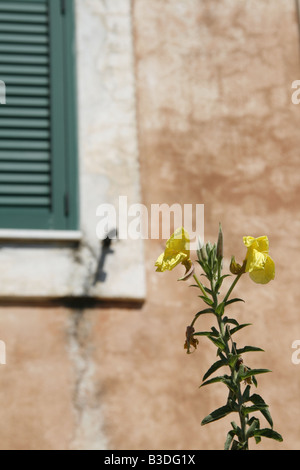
[88, 432]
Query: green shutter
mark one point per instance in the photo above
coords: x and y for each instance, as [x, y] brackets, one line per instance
[38, 177]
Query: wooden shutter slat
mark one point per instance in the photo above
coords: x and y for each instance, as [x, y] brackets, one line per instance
[23, 201]
[23, 69]
[26, 91]
[24, 49]
[25, 80]
[29, 59]
[23, 28]
[22, 145]
[17, 189]
[25, 178]
[28, 167]
[24, 38]
[24, 112]
[25, 134]
[31, 102]
[24, 123]
[23, 18]
[22, 7]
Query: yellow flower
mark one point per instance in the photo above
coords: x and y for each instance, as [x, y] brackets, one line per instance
[259, 264]
[177, 251]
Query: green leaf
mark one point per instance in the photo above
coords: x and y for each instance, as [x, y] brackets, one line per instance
[209, 291]
[220, 281]
[237, 429]
[214, 337]
[220, 309]
[217, 414]
[206, 270]
[258, 400]
[232, 359]
[215, 331]
[230, 320]
[203, 312]
[218, 342]
[234, 426]
[225, 379]
[250, 372]
[246, 394]
[203, 333]
[229, 439]
[251, 409]
[250, 421]
[270, 433]
[249, 349]
[232, 301]
[212, 257]
[252, 428]
[213, 368]
[230, 384]
[214, 380]
[236, 445]
[239, 327]
[207, 300]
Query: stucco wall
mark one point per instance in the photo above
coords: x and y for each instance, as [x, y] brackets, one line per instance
[216, 126]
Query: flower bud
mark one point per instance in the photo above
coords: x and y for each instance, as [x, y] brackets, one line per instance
[209, 247]
[220, 244]
[236, 268]
[203, 254]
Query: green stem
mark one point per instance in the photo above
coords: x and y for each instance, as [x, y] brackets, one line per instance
[225, 335]
[200, 286]
[232, 286]
[243, 421]
[238, 396]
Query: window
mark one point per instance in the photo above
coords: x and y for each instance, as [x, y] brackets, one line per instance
[38, 151]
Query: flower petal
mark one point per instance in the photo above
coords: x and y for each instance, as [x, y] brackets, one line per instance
[260, 244]
[177, 251]
[255, 260]
[259, 264]
[265, 275]
[159, 263]
[248, 241]
[179, 242]
[170, 261]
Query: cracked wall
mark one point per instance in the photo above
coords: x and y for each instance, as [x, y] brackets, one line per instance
[88, 433]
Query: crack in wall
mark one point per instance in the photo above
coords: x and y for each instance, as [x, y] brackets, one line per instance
[88, 427]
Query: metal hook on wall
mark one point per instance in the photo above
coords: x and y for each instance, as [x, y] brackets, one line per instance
[100, 275]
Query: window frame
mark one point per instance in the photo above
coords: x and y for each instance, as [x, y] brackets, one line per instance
[64, 212]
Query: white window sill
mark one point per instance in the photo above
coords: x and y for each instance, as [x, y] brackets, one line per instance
[40, 235]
